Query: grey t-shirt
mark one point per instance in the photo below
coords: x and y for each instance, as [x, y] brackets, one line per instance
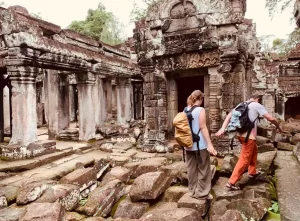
[255, 110]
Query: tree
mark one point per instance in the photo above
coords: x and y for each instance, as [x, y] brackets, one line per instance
[141, 8]
[284, 46]
[266, 43]
[274, 5]
[2, 4]
[100, 25]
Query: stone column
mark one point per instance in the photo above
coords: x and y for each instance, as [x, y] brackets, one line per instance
[123, 100]
[214, 93]
[100, 101]
[58, 98]
[72, 102]
[114, 98]
[172, 102]
[24, 120]
[86, 84]
[108, 95]
[45, 96]
[6, 110]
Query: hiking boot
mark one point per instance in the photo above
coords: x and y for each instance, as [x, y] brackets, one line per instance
[207, 207]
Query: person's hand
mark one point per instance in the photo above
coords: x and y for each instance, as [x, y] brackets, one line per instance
[220, 132]
[212, 150]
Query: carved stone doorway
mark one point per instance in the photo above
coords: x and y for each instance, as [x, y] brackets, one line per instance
[292, 108]
[5, 106]
[185, 86]
[138, 98]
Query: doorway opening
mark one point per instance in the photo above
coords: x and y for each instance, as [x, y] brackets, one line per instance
[185, 86]
[292, 108]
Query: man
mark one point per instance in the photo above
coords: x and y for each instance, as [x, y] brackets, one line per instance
[248, 156]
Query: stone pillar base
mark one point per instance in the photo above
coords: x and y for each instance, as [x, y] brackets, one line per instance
[18, 152]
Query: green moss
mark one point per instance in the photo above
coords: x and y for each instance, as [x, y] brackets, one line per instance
[130, 182]
[218, 168]
[271, 216]
[113, 210]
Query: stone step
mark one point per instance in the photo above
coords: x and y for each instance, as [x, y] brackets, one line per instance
[28, 164]
[54, 170]
[288, 179]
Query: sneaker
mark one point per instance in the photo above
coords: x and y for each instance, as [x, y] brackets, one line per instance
[253, 176]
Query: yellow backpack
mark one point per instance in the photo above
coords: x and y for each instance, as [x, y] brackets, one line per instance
[183, 128]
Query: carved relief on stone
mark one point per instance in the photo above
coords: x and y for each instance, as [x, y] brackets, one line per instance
[289, 84]
[224, 68]
[189, 61]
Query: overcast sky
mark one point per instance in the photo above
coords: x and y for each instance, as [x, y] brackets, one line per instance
[63, 12]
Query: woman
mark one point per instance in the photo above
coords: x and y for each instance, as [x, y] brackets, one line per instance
[198, 157]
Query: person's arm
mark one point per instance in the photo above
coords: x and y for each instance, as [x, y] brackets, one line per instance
[204, 130]
[225, 123]
[272, 120]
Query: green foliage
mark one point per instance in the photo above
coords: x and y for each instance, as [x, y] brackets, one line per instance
[274, 5]
[2, 4]
[284, 46]
[274, 208]
[83, 201]
[100, 25]
[138, 12]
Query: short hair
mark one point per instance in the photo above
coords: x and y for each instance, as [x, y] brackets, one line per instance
[255, 96]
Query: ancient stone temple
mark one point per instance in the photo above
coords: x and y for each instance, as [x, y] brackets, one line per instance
[183, 45]
[53, 76]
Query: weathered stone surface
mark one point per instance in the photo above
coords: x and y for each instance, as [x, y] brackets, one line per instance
[265, 160]
[293, 128]
[285, 146]
[107, 147]
[128, 209]
[93, 219]
[118, 160]
[119, 173]
[260, 190]
[188, 202]
[100, 167]
[149, 186]
[222, 192]
[283, 137]
[132, 166]
[297, 152]
[262, 140]
[229, 163]
[230, 215]
[32, 190]
[123, 146]
[143, 156]
[80, 177]
[219, 207]
[252, 209]
[174, 193]
[73, 216]
[12, 213]
[44, 212]
[295, 139]
[266, 147]
[102, 199]
[66, 194]
[169, 211]
[149, 165]
[3, 201]
[287, 175]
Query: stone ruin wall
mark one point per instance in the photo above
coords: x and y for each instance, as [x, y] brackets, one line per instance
[178, 36]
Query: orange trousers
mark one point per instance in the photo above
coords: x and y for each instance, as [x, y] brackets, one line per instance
[248, 158]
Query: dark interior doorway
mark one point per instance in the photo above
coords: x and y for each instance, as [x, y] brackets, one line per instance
[185, 86]
[292, 108]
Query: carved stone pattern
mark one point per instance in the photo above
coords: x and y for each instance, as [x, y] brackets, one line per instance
[289, 83]
[189, 61]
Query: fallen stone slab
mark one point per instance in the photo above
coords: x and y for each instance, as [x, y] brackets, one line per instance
[266, 147]
[124, 146]
[149, 165]
[228, 164]
[295, 139]
[132, 166]
[285, 146]
[28, 164]
[219, 207]
[12, 213]
[143, 156]
[293, 128]
[169, 211]
[260, 190]
[73, 216]
[10, 192]
[120, 173]
[44, 212]
[118, 160]
[221, 191]
[297, 152]
[283, 137]
[287, 176]
[188, 202]
[66, 194]
[107, 147]
[265, 160]
[131, 210]
[93, 219]
[251, 209]
[174, 193]
[262, 140]
[102, 199]
[149, 186]
[32, 190]
[230, 215]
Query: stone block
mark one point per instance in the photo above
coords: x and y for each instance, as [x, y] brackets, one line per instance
[44, 212]
[128, 209]
[149, 186]
[219, 207]
[265, 160]
[73, 216]
[285, 146]
[120, 173]
[266, 147]
[80, 177]
[12, 213]
[188, 202]
[221, 191]
[230, 215]
[32, 190]
[174, 193]
[10, 192]
[3, 201]
[66, 194]
[149, 165]
[295, 139]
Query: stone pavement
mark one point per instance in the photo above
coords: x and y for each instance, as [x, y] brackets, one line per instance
[288, 179]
